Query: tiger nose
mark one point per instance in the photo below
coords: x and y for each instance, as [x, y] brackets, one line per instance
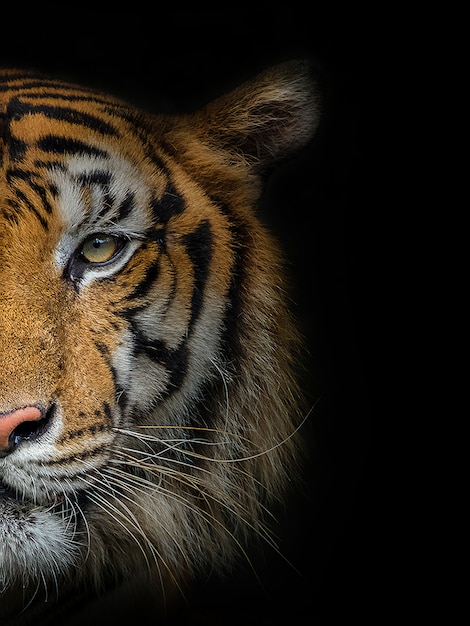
[18, 425]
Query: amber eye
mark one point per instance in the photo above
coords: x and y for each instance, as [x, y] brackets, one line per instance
[100, 248]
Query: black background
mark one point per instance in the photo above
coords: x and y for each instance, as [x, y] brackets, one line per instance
[319, 206]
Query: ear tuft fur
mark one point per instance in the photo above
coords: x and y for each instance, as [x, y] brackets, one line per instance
[268, 117]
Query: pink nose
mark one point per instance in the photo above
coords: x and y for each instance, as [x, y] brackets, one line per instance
[10, 421]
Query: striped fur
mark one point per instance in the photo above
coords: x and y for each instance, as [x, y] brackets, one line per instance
[165, 374]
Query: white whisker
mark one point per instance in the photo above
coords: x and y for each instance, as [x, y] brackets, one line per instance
[231, 437]
[205, 489]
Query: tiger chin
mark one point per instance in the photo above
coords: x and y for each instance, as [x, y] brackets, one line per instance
[148, 396]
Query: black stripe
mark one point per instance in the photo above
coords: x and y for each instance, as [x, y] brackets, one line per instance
[231, 343]
[175, 360]
[107, 411]
[18, 109]
[96, 177]
[57, 91]
[126, 206]
[62, 145]
[142, 289]
[77, 456]
[102, 349]
[101, 179]
[10, 78]
[177, 363]
[89, 430]
[114, 375]
[28, 176]
[206, 409]
[26, 202]
[50, 166]
[170, 204]
[18, 173]
[43, 195]
[17, 149]
[199, 249]
[154, 349]
[44, 83]
[11, 216]
[108, 201]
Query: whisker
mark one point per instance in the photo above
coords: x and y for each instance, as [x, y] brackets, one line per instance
[76, 507]
[238, 436]
[115, 513]
[187, 453]
[235, 508]
[133, 486]
[33, 595]
[211, 519]
[175, 472]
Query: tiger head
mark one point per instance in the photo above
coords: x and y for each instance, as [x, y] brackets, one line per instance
[148, 401]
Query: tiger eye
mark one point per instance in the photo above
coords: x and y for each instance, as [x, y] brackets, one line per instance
[99, 248]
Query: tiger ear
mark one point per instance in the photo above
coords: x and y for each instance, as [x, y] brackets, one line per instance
[266, 118]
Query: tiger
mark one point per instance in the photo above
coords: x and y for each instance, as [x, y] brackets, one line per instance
[150, 405]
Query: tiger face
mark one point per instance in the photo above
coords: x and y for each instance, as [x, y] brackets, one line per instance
[148, 403]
